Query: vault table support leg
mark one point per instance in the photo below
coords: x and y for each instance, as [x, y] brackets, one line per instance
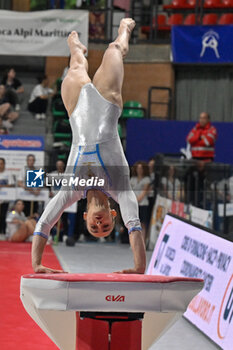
[108, 331]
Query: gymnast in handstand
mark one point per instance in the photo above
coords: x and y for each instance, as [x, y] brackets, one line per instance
[94, 109]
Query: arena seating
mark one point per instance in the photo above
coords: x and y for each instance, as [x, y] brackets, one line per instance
[190, 19]
[175, 19]
[210, 19]
[180, 4]
[189, 4]
[227, 3]
[132, 109]
[226, 18]
[212, 3]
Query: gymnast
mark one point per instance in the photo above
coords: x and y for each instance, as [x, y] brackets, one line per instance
[94, 108]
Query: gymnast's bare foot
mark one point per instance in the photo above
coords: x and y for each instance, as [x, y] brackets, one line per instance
[126, 23]
[74, 43]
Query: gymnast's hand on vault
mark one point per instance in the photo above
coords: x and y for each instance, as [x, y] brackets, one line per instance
[43, 269]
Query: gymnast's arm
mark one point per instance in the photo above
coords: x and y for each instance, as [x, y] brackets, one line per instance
[129, 212]
[50, 216]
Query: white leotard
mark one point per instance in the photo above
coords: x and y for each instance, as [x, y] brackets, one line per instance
[95, 142]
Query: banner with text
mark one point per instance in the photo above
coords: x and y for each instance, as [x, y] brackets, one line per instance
[41, 33]
[202, 44]
[161, 207]
[15, 148]
[185, 250]
[201, 216]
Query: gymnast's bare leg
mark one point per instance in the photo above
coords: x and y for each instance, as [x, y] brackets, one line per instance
[77, 75]
[109, 77]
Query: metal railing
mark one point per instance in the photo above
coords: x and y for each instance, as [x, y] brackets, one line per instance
[207, 186]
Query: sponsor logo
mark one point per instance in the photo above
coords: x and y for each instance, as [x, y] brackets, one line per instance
[113, 298]
[202, 308]
[225, 316]
[35, 178]
[210, 40]
[19, 143]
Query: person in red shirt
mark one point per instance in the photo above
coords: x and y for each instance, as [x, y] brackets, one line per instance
[202, 139]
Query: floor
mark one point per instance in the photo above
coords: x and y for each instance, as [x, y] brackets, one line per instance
[96, 257]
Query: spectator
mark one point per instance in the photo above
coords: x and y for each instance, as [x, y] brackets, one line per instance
[22, 183]
[14, 88]
[3, 130]
[3, 127]
[140, 182]
[38, 101]
[19, 228]
[6, 180]
[202, 139]
[171, 185]
[58, 175]
[6, 112]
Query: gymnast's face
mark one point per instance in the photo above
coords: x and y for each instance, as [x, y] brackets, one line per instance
[100, 223]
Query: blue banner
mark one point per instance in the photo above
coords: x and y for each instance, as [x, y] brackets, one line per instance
[169, 136]
[26, 143]
[202, 44]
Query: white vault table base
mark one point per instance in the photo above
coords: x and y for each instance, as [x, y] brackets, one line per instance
[53, 299]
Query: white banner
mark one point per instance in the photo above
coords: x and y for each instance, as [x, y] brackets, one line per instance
[15, 149]
[201, 216]
[7, 194]
[161, 207]
[25, 195]
[229, 209]
[185, 250]
[16, 160]
[12, 193]
[41, 33]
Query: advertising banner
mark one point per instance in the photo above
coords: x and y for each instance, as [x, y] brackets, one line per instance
[14, 149]
[12, 193]
[202, 44]
[41, 33]
[201, 216]
[8, 194]
[161, 208]
[178, 208]
[24, 195]
[185, 250]
[228, 210]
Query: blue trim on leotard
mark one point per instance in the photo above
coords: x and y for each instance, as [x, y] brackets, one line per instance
[97, 151]
[135, 228]
[102, 164]
[40, 234]
[92, 152]
[76, 162]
